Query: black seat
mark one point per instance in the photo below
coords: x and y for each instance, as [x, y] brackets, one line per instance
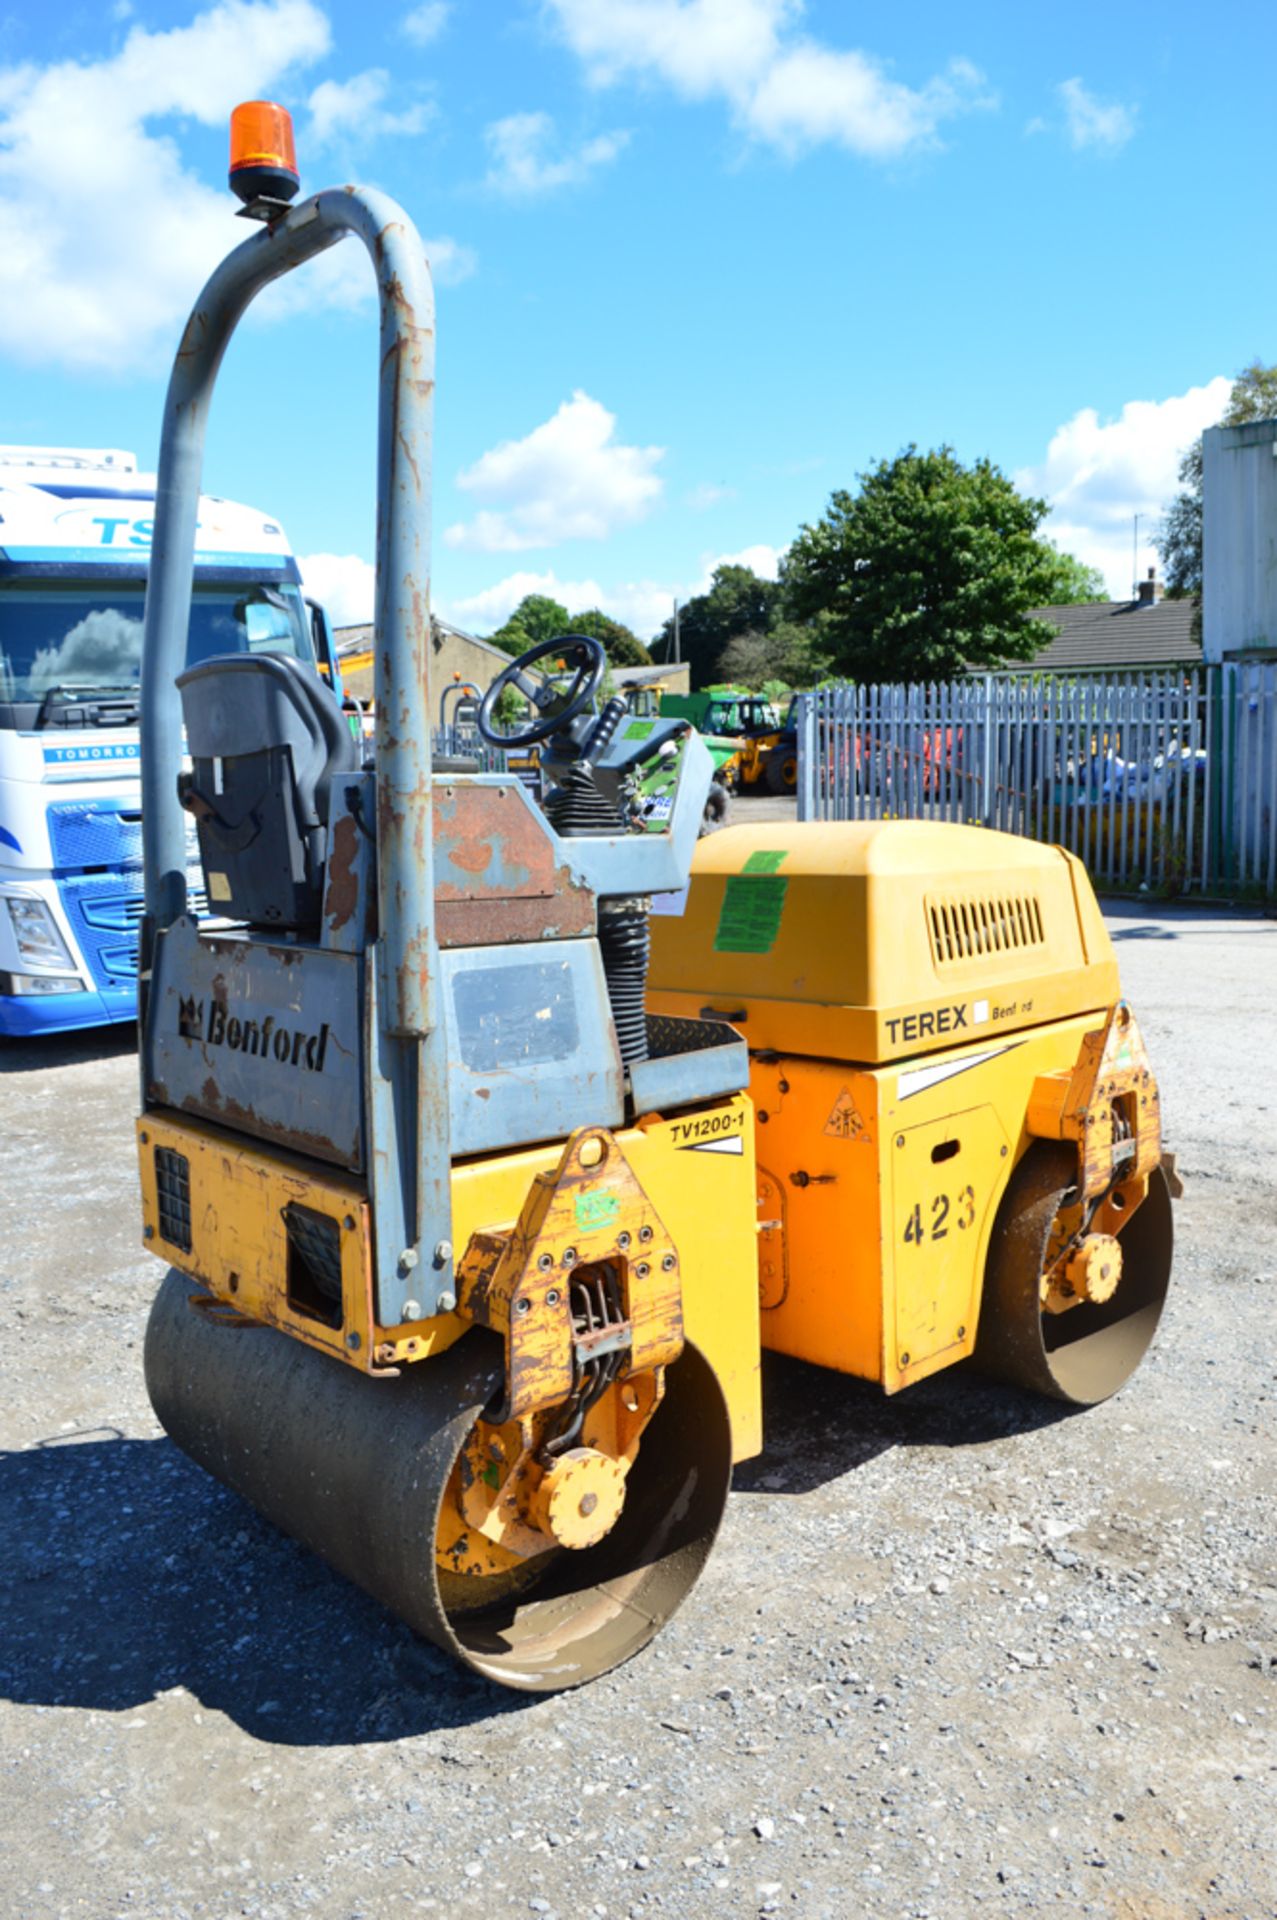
[266, 738]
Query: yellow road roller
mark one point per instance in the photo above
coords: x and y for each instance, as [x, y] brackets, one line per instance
[488, 1135]
[957, 1131]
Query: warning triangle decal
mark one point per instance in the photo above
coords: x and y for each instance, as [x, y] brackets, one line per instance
[845, 1123]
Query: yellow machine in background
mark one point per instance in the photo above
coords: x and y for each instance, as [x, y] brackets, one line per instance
[957, 1129]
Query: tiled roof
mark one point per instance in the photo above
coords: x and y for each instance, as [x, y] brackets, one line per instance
[1115, 634]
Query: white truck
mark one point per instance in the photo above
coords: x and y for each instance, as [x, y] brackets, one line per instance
[75, 537]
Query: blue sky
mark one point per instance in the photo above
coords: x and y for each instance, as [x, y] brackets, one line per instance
[699, 262]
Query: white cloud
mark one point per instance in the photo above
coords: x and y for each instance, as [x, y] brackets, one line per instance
[521, 164]
[815, 94]
[707, 495]
[762, 560]
[342, 583]
[782, 86]
[106, 238]
[105, 235]
[641, 604]
[569, 479]
[1092, 123]
[354, 109]
[1099, 475]
[427, 22]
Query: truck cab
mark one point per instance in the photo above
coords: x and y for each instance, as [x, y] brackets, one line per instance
[75, 538]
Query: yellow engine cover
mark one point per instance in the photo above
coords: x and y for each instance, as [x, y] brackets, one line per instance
[879, 940]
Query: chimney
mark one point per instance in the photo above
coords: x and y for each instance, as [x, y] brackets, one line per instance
[1150, 590]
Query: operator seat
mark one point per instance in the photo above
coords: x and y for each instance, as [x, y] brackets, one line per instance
[267, 739]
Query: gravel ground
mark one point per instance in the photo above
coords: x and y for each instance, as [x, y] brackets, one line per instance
[954, 1654]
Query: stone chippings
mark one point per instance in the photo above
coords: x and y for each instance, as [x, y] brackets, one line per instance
[955, 1653]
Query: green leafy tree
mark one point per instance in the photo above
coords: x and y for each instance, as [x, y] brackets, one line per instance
[1073, 583]
[624, 649]
[787, 654]
[738, 602]
[1179, 537]
[536, 618]
[931, 567]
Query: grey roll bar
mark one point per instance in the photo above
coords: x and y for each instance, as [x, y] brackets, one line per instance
[407, 952]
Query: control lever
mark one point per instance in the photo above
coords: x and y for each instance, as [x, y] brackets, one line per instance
[603, 732]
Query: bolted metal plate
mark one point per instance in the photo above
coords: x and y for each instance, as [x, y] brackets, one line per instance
[262, 1038]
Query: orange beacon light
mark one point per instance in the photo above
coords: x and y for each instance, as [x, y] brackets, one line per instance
[263, 163]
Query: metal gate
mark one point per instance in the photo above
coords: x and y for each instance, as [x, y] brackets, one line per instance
[1165, 780]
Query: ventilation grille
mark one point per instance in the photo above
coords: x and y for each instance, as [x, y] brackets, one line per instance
[315, 1240]
[974, 929]
[173, 1191]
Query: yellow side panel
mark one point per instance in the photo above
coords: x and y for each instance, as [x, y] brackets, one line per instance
[239, 1247]
[944, 1175]
[821, 1269]
[699, 1173]
[877, 1192]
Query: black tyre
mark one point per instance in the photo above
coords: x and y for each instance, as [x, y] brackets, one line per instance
[781, 773]
[718, 807]
[1084, 1355]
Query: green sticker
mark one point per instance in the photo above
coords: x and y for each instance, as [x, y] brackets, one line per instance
[596, 1209]
[638, 730]
[765, 862]
[750, 919]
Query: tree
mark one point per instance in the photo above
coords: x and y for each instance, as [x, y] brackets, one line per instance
[1179, 537]
[1074, 584]
[737, 602]
[624, 649]
[787, 654]
[932, 567]
[536, 618]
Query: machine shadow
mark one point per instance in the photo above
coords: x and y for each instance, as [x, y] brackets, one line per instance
[68, 1049]
[820, 1424]
[129, 1571]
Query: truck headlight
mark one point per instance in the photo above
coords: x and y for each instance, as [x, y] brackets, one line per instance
[16, 983]
[39, 941]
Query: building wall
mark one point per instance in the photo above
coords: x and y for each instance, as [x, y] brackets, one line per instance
[455, 656]
[1239, 539]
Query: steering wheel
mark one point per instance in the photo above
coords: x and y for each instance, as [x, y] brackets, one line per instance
[590, 660]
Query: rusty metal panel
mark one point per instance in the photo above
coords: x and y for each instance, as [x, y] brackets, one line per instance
[262, 1038]
[350, 882]
[496, 877]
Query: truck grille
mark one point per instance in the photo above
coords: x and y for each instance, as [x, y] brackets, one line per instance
[105, 919]
[95, 833]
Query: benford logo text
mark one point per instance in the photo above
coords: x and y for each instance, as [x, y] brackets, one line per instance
[263, 1039]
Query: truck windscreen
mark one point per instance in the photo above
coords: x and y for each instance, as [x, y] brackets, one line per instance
[72, 638]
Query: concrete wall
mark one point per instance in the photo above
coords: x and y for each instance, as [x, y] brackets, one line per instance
[1239, 539]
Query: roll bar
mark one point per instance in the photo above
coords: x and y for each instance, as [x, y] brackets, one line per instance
[408, 1091]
